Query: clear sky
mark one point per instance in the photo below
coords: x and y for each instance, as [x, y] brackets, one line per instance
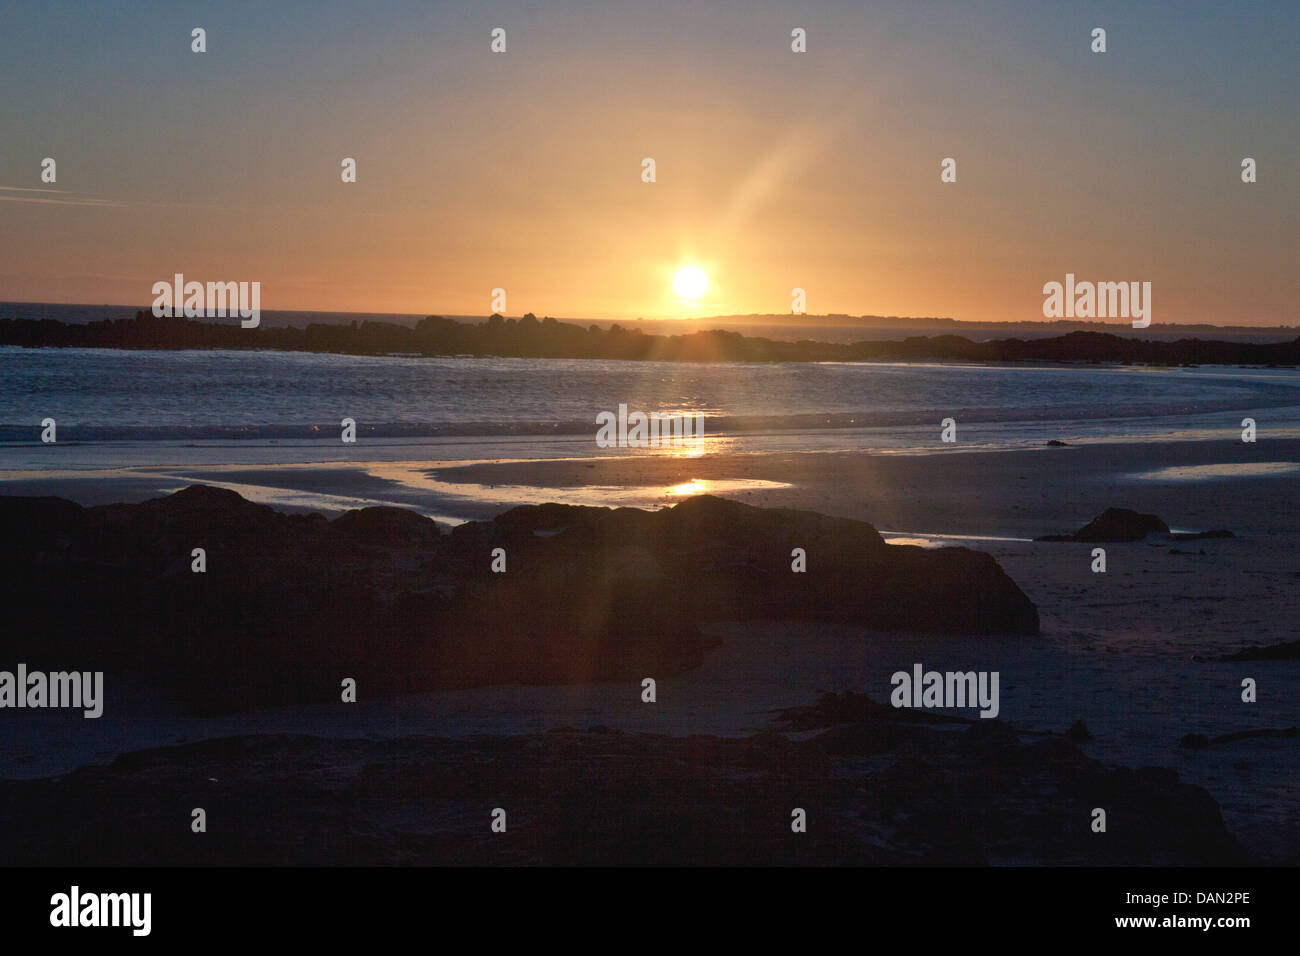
[775, 170]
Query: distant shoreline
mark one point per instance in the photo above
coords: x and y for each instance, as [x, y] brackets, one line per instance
[870, 326]
[530, 337]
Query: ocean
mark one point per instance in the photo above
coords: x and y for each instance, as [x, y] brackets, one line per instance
[272, 398]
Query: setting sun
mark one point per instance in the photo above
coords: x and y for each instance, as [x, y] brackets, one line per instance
[690, 282]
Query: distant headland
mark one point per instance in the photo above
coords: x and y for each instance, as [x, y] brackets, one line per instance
[530, 337]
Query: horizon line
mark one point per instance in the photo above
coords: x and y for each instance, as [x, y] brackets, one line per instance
[692, 319]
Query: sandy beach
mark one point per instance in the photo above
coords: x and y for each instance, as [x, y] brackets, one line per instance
[1116, 651]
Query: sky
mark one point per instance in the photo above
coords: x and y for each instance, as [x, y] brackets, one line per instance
[774, 170]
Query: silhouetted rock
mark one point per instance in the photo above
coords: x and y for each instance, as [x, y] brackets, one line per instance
[710, 559]
[1057, 443]
[386, 527]
[1114, 524]
[973, 797]
[289, 605]
[1120, 524]
[1123, 524]
[1078, 733]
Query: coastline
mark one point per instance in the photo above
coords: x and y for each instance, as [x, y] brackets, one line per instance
[1116, 650]
[530, 337]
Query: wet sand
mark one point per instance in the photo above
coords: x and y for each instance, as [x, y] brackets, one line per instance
[1193, 485]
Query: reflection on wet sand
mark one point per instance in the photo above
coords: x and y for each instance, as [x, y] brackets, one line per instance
[1236, 469]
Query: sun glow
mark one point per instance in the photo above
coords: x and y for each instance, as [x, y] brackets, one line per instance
[690, 282]
[692, 487]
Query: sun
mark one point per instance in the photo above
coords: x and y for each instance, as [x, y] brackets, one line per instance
[690, 282]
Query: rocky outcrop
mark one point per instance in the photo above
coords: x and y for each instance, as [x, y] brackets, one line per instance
[289, 605]
[1114, 524]
[877, 790]
[1124, 524]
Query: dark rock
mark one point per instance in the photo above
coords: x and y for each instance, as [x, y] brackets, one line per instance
[1194, 741]
[1120, 524]
[1157, 776]
[1057, 443]
[385, 527]
[1077, 733]
[548, 517]
[1123, 524]
[600, 798]
[983, 736]
[290, 604]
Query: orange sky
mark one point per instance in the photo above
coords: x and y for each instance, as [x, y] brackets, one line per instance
[774, 170]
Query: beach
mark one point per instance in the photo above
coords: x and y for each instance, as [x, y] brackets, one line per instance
[1038, 450]
[1117, 649]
